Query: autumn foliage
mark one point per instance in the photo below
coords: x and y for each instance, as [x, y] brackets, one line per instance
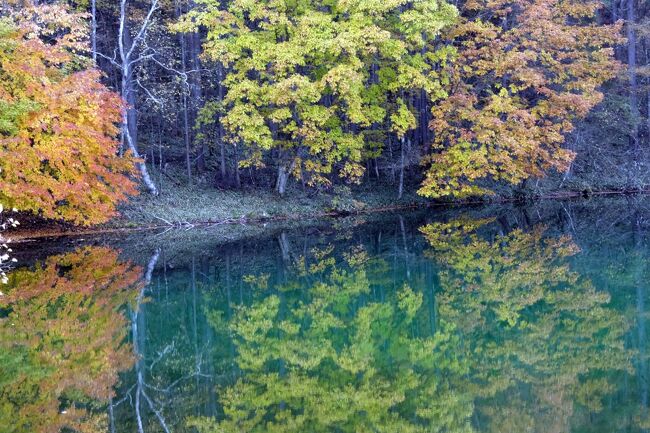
[62, 340]
[58, 123]
[525, 71]
[314, 89]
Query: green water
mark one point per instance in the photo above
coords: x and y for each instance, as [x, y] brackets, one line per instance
[499, 319]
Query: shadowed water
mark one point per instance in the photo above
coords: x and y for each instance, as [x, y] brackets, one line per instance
[494, 319]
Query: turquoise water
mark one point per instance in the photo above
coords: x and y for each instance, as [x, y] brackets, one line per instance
[499, 319]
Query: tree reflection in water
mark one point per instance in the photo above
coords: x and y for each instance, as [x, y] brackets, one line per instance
[520, 341]
[459, 326]
[62, 341]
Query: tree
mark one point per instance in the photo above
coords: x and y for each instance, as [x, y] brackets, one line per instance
[128, 47]
[57, 131]
[525, 71]
[530, 321]
[305, 80]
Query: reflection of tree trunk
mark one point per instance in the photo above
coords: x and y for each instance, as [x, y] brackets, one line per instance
[139, 341]
[642, 368]
[405, 245]
[138, 348]
[432, 297]
[230, 312]
[197, 357]
[284, 246]
[111, 416]
[641, 333]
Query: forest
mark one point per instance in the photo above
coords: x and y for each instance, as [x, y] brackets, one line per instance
[174, 164]
[195, 100]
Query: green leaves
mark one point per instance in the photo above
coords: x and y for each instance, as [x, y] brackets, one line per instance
[320, 355]
[403, 119]
[305, 72]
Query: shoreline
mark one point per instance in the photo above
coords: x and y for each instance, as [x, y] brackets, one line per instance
[34, 233]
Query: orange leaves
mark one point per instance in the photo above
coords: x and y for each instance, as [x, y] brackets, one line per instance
[59, 158]
[520, 80]
[64, 336]
[55, 22]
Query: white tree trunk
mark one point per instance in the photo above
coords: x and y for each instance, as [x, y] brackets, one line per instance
[126, 58]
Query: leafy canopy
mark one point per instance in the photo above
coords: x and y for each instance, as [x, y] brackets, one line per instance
[525, 71]
[308, 79]
[58, 123]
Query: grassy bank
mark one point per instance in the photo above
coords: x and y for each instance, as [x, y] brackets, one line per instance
[183, 205]
[187, 206]
[179, 204]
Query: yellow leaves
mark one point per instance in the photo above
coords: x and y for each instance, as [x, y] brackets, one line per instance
[352, 171]
[295, 89]
[300, 75]
[376, 7]
[537, 76]
[56, 22]
[64, 321]
[403, 120]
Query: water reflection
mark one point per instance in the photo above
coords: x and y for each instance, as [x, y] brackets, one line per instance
[321, 352]
[455, 324]
[62, 341]
[545, 342]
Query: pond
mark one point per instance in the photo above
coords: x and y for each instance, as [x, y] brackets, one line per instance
[483, 319]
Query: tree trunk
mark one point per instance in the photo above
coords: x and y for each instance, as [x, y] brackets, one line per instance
[632, 64]
[237, 176]
[186, 139]
[647, 62]
[222, 144]
[186, 116]
[129, 116]
[283, 177]
[197, 93]
[93, 27]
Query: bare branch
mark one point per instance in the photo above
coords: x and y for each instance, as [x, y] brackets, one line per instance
[156, 100]
[113, 59]
[143, 28]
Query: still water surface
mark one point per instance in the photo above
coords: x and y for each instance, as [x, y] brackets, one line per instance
[497, 319]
